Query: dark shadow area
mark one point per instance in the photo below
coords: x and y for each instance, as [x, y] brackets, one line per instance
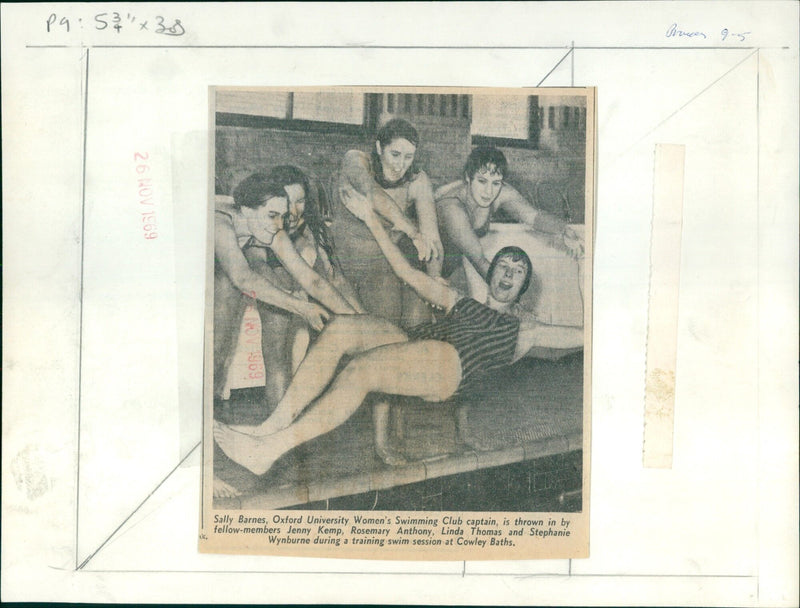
[551, 483]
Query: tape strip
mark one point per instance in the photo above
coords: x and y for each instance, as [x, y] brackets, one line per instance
[662, 317]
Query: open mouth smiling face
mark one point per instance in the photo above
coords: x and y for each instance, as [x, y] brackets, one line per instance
[507, 279]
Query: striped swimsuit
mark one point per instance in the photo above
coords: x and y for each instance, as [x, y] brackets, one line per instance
[484, 338]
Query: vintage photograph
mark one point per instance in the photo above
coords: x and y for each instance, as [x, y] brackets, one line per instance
[398, 319]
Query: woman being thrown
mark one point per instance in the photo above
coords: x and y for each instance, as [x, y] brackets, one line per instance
[433, 361]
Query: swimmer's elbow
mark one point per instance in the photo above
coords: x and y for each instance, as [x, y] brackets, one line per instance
[243, 280]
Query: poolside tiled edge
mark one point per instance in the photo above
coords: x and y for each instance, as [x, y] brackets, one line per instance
[383, 479]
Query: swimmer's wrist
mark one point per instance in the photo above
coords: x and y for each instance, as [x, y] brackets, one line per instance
[549, 223]
[299, 307]
[402, 224]
[372, 221]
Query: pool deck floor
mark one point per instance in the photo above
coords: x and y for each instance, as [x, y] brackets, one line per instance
[543, 394]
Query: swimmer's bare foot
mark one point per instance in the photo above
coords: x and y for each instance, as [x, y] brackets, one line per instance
[390, 455]
[224, 490]
[256, 454]
[247, 429]
[271, 425]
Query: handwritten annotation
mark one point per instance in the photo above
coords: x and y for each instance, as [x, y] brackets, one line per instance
[725, 35]
[115, 22]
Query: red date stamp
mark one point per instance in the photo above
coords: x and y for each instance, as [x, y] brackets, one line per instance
[252, 333]
[144, 185]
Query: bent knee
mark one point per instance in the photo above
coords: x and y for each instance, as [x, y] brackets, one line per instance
[358, 371]
[338, 326]
[343, 325]
[341, 333]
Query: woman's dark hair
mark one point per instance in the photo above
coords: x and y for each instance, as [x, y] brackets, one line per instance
[485, 157]
[254, 190]
[286, 175]
[396, 128]
[516, 254]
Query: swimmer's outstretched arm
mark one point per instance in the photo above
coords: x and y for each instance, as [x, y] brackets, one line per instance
[235, 265]
[516, 205]
[532, 333]
[432, 290]
[421, 192]
[355, 175]
[336, 278]
[316, 286]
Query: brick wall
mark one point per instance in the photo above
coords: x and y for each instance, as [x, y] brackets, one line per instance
[547, 179]
[241, 151]
[544, 178]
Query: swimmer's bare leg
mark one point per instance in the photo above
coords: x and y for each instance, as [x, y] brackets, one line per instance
[223, 489]
[345, 335]
[396, 369]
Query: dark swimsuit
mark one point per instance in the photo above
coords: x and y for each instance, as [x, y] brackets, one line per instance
[485, 339]
[272, 259]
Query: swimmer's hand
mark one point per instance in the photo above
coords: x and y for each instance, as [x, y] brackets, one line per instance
[439, 248]
[426, 246]
[313, 314]
[573, 242]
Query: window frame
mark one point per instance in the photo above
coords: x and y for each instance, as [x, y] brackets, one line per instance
[289, 123]
[373, 106]
[534, 131]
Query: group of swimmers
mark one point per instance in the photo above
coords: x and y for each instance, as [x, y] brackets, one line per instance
[372, 284]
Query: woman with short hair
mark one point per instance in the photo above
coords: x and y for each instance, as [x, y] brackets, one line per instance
[466, 207]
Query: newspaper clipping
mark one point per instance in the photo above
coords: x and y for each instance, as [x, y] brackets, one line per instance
[398, 323]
